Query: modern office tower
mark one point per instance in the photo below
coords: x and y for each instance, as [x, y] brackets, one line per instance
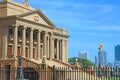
[117, 55]
[83, 55]
[101, 56]
[96, 60]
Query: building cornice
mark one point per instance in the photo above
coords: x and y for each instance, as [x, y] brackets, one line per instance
[40, 13]
[15, 18]
[61, 35]
[34, 23]
[18, 4]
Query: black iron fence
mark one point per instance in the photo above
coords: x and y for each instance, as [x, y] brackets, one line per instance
[62, 73]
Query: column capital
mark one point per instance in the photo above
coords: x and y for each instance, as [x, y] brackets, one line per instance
[39, 30]
[58, 39]
[51, 34]
[32, 29]
[24, 27]
[15, 25]
[46, 32]
[53, 38]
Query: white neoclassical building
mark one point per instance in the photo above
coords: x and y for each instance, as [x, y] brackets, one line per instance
[28, 32]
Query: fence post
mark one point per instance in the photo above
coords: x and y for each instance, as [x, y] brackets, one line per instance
[54, 73]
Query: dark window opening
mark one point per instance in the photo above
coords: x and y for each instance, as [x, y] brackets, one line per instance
[19, 33]
[27, 34]
[34, 36]
[42, 37]
[10, 32]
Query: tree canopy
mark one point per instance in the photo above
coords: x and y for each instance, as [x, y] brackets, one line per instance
[85, 63]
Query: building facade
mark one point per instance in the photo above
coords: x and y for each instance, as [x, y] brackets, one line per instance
[83, 55]
[96, 60]
[28, 32]
[117, 55]
[102, 58]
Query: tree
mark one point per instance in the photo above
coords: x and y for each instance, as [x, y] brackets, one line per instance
[85, 63]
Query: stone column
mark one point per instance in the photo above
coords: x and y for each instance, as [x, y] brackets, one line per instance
[15, 40]
[38, 44]
[44, 44]
[63, 51]
[47, 45]
[41, 51]
[60, 51]
[58, 48]
[66, 42]
[51, 47]
[4, 42]
[23, 41]
[31, 44]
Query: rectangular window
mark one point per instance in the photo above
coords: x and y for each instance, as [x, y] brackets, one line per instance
[42, 37]
[10, 32]
[26, 53]
[9, 50]
[18, 51]
[34, 36]
[33, 53]
[27, 34]
[19, 33]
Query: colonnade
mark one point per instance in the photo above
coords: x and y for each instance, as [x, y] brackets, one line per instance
[44, 47]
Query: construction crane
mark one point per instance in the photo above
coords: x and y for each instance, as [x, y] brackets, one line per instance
[100, 47]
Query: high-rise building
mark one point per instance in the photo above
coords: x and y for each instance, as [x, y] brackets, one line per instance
[83, 55]
[96, 60]
[101, 56]
[117, 55]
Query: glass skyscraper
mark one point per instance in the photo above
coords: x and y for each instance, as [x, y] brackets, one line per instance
[102, 58]
[117, 55]
[96, 60]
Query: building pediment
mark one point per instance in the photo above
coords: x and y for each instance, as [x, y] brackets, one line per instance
[37, 16]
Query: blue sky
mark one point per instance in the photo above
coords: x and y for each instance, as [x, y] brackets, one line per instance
[89, 23]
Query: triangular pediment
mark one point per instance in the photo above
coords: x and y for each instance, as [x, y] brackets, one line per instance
[38, 17]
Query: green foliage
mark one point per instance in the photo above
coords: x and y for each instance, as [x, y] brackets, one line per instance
[85, 63]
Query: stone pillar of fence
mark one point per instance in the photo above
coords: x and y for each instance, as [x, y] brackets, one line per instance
[43, 75]
[75, 72]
